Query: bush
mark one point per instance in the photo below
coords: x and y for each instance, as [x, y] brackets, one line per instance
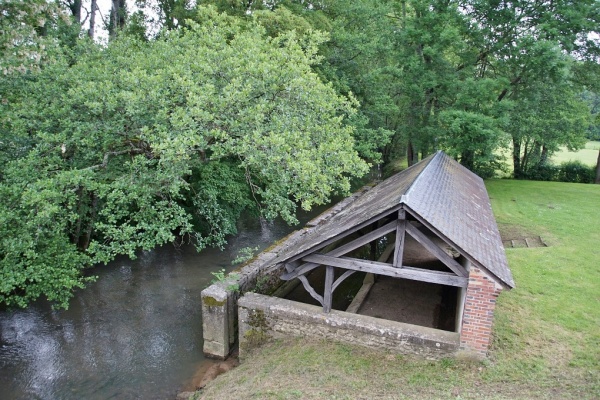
[575, 171]
[543, 172]
[571, 171]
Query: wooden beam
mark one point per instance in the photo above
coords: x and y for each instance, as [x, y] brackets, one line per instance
[417, 274]
[289, 267]
[341, 279]
[310, 290]
[346, 233]
[340, 251]
[328, 291]
[436, 250]
[300, 271]
[399, 247]
[361, 241]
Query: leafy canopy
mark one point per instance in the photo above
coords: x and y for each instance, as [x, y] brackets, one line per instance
[144, 142]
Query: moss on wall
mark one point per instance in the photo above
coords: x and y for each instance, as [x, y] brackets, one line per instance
[257, 334]
[212, 302]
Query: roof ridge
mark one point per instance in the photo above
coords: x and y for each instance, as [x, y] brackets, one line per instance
[404, 197]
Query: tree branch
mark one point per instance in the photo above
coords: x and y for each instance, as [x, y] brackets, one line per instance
[112, 154]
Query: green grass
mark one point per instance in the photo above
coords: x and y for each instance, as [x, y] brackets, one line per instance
[546, 331]
[588, 155]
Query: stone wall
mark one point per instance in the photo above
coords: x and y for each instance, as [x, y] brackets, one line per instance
[262, 318]
[478, 314]
[219, 301]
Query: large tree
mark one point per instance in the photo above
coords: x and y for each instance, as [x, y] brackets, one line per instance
[533, 45]
[143, 143]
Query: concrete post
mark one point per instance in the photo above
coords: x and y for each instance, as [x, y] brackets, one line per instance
[216, 321]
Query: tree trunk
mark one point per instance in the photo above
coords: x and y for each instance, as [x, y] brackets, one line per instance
[117, 17]
[410, 153]
[518, 174]
[597, 181]
[93, 9]
[467, 159]
[544, 155]
[75, 7]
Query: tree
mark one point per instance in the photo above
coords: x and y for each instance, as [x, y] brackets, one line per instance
[354, 55]
[24, 26]
[143, 143]
[532, 45]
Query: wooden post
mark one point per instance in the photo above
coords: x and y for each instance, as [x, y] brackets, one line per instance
[399, 247]
[328, 292]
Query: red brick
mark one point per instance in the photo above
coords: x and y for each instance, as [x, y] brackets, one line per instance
[480, 301]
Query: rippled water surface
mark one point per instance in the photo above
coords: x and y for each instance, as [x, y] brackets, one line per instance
[134, 333]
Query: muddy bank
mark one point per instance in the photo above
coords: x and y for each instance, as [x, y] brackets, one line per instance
[207, 372]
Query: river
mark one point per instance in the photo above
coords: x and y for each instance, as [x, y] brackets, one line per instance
[134, 333]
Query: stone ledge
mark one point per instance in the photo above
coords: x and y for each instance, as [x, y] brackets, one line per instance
[281, 317]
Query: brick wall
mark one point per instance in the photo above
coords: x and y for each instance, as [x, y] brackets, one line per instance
[478, 317]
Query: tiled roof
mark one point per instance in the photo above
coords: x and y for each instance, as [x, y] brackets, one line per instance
[451, 200]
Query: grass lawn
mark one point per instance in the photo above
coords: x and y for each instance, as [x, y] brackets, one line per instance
[588, 155]
[546, 332]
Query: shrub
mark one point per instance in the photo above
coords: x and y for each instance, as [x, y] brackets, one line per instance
[571, 171]
[543, 172]
[575, 171]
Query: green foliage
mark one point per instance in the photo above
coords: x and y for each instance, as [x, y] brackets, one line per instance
[543, 172]
[190, 117]
[143, 142]
[262, 285]
[244, 255]
[468, 77]
[221, 276]
[25, 26]
[577, 172]
[570, 171]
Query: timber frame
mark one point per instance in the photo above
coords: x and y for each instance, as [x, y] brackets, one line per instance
[399, 222]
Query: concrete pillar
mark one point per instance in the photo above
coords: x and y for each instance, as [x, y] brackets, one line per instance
[216, 321]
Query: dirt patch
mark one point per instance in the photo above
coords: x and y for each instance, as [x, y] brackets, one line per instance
[412, 302]
[525, 242]
[517, 236]
[208, 371]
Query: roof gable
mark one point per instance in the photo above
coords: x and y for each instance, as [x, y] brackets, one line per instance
[445, 196]
[454, 202]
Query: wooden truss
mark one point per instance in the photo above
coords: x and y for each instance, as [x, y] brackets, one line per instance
[304, 263]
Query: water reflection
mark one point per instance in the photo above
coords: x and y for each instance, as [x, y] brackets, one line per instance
[135, 333]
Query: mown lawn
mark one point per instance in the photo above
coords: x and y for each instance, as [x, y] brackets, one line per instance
[546, 332]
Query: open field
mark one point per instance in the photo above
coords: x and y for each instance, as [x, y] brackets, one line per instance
[546, 332]
[588, 155]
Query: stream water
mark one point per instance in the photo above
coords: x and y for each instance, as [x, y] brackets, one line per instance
[134, 333]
